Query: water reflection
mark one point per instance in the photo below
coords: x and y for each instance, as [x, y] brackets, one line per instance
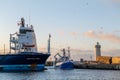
[57, 74]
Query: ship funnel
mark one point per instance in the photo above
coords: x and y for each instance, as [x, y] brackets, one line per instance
[22, 22]
[49, 43]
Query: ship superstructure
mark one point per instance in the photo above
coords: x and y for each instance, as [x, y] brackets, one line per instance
[25, 40]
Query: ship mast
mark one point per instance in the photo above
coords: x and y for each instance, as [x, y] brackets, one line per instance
[49, 44]
[22, 22]
[69, 52]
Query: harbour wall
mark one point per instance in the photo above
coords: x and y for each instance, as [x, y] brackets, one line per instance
[93, 65]
[98, 66]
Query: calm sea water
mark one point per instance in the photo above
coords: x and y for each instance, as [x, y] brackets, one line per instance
[57, 74]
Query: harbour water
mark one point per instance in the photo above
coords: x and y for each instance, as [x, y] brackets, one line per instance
[57, 74]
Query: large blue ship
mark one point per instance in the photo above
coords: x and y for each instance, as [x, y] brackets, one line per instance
[23, 55]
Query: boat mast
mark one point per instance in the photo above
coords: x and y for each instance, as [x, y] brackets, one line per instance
[4, 48]
[49, 44]
[10, 43]
[69, 52]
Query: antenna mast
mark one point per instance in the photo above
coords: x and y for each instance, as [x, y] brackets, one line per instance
[29, 17]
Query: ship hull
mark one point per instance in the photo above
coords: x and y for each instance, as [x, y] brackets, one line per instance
[68, 65]
[24, 61]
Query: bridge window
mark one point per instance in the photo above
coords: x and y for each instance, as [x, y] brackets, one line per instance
[24, 31]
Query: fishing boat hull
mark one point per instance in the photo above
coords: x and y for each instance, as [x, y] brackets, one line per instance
[24, 61]
[68, 65]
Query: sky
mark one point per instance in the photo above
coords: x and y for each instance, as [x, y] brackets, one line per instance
[78, 24]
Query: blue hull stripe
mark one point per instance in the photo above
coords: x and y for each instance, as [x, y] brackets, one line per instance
[38, 67]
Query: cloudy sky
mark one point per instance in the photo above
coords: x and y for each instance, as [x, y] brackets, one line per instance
[75, 23]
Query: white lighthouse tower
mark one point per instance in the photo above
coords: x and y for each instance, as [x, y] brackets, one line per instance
[98, 49]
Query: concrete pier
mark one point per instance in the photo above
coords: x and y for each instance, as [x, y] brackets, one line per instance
[98, 66]
[90, 65]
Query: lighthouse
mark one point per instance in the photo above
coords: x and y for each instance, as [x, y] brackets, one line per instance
[98, 49]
